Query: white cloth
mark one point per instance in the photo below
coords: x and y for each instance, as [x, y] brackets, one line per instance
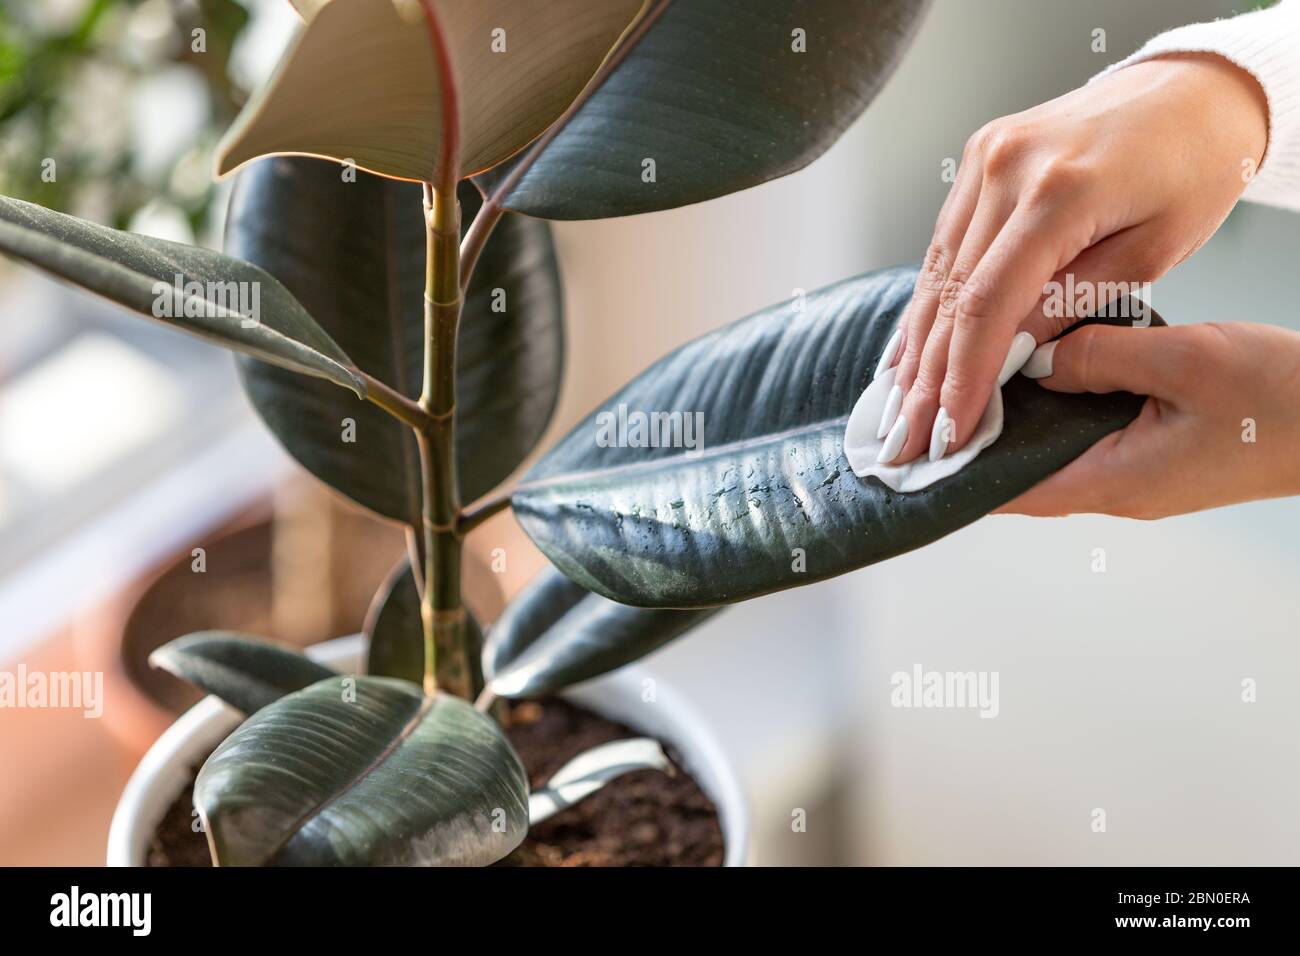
[861, 446]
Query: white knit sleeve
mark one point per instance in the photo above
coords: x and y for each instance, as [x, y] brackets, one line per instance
[1265, 44]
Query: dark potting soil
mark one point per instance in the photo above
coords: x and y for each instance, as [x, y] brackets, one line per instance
[644, 818]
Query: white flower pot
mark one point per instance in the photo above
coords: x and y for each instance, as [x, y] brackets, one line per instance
[165, 769]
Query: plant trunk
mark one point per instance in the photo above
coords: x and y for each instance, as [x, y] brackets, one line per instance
[446, 661]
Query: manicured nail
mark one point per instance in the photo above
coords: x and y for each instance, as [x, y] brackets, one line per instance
[891, 352]
[894, 441]
[892, 404]
[1040, 363]
[939, 435]
[1022, 346]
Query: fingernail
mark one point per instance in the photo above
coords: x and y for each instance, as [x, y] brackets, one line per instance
[939, 435]
[1040, 363]
[1022, 346]
[891, 352]
[894, 441]
[892, 404]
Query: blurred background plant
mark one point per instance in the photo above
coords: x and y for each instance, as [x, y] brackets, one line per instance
[109, 109]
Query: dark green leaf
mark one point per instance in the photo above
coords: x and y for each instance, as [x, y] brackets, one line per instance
[363, 771]
[354, 253]
[670, 527]
[246, 672]
[396, 634]
[557, 633]
[166, 280]
[714, 92]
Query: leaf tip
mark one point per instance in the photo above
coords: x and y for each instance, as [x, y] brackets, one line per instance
[233, 150]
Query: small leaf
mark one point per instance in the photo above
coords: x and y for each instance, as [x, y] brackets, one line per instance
[362, 81]
[355, 258]
[188, 287]
[396, 634]
[762, 498]
[557, 633]
[246, 672]
[589, 771]
[707, 97]
[363, 771]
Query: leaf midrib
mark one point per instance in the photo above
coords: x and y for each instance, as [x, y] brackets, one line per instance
[652, 464]
[426, 705]
[275, 336]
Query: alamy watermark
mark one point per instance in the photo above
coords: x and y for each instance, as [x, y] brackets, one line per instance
[133, 911]
[191, 299]
[637, 429]
[1072, 299]
[56, 690]
[973, 690]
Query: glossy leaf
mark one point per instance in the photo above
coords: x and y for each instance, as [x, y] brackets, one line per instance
[557, 633]
[590, 771]
[205, 293]
[246, 672]
[355, 256]
[362, 82]
[396, 635]
[770, 502]
[718, 95]
[363, 771]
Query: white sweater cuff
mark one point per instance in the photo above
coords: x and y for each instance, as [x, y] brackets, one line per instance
[1265, 44]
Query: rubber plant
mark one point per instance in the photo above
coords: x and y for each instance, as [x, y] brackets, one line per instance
[393, 179]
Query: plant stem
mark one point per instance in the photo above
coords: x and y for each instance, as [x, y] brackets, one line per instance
[476, 238]
[469, 520]
[396, 404]
[441, 613]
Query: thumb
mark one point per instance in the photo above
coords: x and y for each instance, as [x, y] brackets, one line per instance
[1111, 358]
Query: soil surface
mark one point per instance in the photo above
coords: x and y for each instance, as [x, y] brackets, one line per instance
[645, 818]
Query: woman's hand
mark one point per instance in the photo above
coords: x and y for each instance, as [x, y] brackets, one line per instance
[1221, 425]
[1118, 181]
